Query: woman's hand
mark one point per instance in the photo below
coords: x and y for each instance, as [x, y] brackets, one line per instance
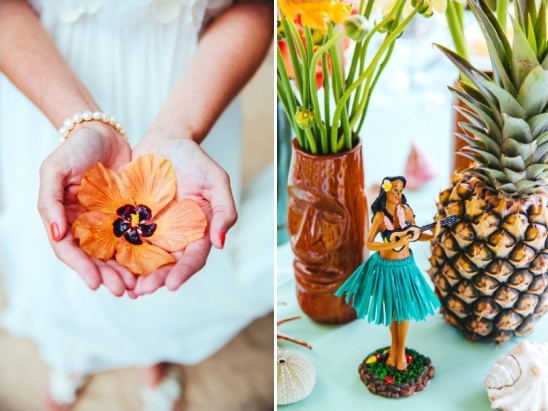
[403, 241]
[204, 181]
[60, 176]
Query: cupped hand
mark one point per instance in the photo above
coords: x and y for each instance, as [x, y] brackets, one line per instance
[60, 177]
[201, 179]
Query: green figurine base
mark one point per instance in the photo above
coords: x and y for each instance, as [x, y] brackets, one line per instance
[382, 379]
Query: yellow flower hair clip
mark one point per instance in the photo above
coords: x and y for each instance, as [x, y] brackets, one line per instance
[386, 185]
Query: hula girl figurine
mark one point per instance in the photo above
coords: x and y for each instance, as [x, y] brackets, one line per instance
[389, 288]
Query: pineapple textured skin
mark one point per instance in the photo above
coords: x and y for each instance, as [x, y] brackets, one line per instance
[489, 269]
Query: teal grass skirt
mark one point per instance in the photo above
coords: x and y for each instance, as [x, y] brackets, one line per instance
[383, 291]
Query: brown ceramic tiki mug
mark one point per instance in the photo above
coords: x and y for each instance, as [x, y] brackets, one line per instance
[327, 224]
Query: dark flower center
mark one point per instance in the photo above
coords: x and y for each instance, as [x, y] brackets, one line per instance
[132, 223]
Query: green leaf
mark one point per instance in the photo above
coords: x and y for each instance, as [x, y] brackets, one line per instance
[527, 186]
[486, 158]
[538, 124]
[513, 163]
[540, 153]
[516, 129]
[497, 43]
[482, 111]
[514, 176]
[533, 94]
[464, 67]
[472, 117]
[513, 148]
[536, 171]
[508, 104]
[491, 145]
[542, 138]
[524, 59]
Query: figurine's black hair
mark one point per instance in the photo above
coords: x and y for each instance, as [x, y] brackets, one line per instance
[380, 202]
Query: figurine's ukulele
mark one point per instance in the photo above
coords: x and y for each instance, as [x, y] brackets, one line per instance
[415, 231]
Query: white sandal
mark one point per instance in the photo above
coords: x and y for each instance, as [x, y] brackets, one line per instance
[63, 387]
[165, 396]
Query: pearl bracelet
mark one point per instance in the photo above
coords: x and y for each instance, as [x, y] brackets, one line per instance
[69, 123]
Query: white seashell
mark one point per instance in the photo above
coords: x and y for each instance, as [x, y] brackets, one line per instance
[296, 377]
[518, 381]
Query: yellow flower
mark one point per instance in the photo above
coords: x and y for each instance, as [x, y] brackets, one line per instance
[304, 118]
[135, 217]
[315, 14]
[386, 185]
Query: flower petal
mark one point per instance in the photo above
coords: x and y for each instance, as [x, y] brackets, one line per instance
[95, 233]
[180, 223]
[102, 190]
[151, 181]
[142, 259]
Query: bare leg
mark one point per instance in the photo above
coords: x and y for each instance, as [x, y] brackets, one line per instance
[154, 375]
[392, 356]
[401, 361]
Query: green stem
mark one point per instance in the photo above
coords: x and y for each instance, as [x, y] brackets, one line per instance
[291, 40]
[283, 81]
[374, 83]
[326, 101]
[338, 80]
[502, 13]
[313, 82]
[453, 15]
[370, 69]
[311, 141]
[285, 103]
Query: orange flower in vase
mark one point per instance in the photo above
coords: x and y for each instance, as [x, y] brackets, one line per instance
[134, 217]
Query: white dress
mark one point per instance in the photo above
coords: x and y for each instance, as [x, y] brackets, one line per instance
[129, 54]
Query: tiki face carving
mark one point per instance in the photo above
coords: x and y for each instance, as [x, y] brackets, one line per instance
[317, 225]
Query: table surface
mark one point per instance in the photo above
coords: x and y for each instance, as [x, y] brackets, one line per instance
[408, 107]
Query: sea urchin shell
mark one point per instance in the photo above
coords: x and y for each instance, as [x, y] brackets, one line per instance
[296, 377]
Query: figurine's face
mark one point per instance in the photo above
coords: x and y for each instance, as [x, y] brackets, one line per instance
[394, 195]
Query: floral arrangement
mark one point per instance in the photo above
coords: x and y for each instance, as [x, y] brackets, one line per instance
[331, 54]
[135, 217]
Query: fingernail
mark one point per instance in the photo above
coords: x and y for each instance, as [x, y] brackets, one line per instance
[54, 228]
[222, 238]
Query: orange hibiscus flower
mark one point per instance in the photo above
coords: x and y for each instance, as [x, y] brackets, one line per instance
[135, 217]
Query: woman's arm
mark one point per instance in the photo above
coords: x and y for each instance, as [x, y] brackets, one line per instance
[32, 62]
[230, 51]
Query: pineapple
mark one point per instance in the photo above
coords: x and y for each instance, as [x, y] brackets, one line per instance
[490, 268]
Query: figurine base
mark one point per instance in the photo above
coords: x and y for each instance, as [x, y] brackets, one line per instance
[382, 379]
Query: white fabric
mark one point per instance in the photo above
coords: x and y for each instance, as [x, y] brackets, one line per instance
[129, 65]
[164, 395]
[63, 386]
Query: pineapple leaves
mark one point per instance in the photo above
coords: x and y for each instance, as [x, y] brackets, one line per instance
[508, 104]
[525, 58]
[536, 171]
[497, 43]
[538, 124]
[516, 129]
[465, 68]
[515, 164]
[481, 138]
[533, 95]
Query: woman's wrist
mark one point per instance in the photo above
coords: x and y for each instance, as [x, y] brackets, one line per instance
[88, 117]
[163, 132]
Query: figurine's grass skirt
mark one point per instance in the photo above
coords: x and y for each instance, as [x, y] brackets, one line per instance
[383, 291]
